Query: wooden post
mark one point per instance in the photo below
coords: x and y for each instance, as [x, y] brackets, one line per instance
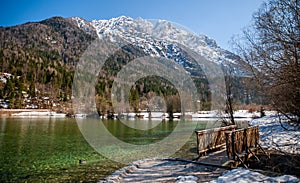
[197, 142]
[229, 144]
[233, 144]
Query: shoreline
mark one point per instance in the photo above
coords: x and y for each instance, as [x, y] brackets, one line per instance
[200, 115]
[15, 113]
[163, 170]
[171, 170]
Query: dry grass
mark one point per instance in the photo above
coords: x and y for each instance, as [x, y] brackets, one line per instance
[281, 163]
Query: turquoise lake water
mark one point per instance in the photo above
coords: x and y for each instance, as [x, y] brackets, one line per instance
[36, 150]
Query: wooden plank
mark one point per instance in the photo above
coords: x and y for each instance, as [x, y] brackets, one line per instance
[211, 139]
[217, 158]
[240, 144]
[229, 144]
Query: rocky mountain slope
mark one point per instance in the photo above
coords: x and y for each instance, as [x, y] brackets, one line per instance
[163, 39]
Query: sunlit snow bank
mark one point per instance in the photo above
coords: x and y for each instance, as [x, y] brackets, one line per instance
[244, 175]
[32, 114]
[274, 136]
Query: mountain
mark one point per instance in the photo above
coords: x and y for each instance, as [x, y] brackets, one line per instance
[58, 36]
[42, 57]
[164, 39]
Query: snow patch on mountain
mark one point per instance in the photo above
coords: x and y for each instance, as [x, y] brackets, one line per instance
[83, 24]
[162, 38]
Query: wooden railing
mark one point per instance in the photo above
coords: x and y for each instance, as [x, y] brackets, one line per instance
[211, 139]
[239, 141]
[240, 144]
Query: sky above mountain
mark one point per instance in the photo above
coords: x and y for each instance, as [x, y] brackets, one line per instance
[219, 20]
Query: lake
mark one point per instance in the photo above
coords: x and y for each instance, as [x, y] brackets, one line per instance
[49, 149]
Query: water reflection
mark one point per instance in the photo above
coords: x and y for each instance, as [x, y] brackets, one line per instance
[125, 144]
[141, 124]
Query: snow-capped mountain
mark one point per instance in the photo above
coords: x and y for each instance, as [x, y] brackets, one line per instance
[164, 39]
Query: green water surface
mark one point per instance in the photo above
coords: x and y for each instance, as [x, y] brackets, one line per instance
[38, 150]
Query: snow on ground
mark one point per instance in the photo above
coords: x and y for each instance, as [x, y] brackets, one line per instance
[39, 114]
[163, 170]
[242, 175]
[274, 136]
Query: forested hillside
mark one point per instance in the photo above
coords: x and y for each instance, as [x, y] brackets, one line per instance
[41, 57]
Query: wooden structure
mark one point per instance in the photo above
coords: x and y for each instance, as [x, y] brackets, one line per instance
[212, 139]
[242, 144]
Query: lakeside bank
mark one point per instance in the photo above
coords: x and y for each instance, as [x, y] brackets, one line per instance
[199, 115]
[8, 113]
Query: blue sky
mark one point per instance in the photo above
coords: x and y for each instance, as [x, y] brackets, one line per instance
[219, 19]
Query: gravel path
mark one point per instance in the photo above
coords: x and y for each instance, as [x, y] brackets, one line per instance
[161, 170]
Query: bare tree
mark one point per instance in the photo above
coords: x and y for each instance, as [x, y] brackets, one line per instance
[228, 77]
[229, 98]
[272, 48]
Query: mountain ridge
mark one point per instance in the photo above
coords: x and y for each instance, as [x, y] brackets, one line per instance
[153, 36]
